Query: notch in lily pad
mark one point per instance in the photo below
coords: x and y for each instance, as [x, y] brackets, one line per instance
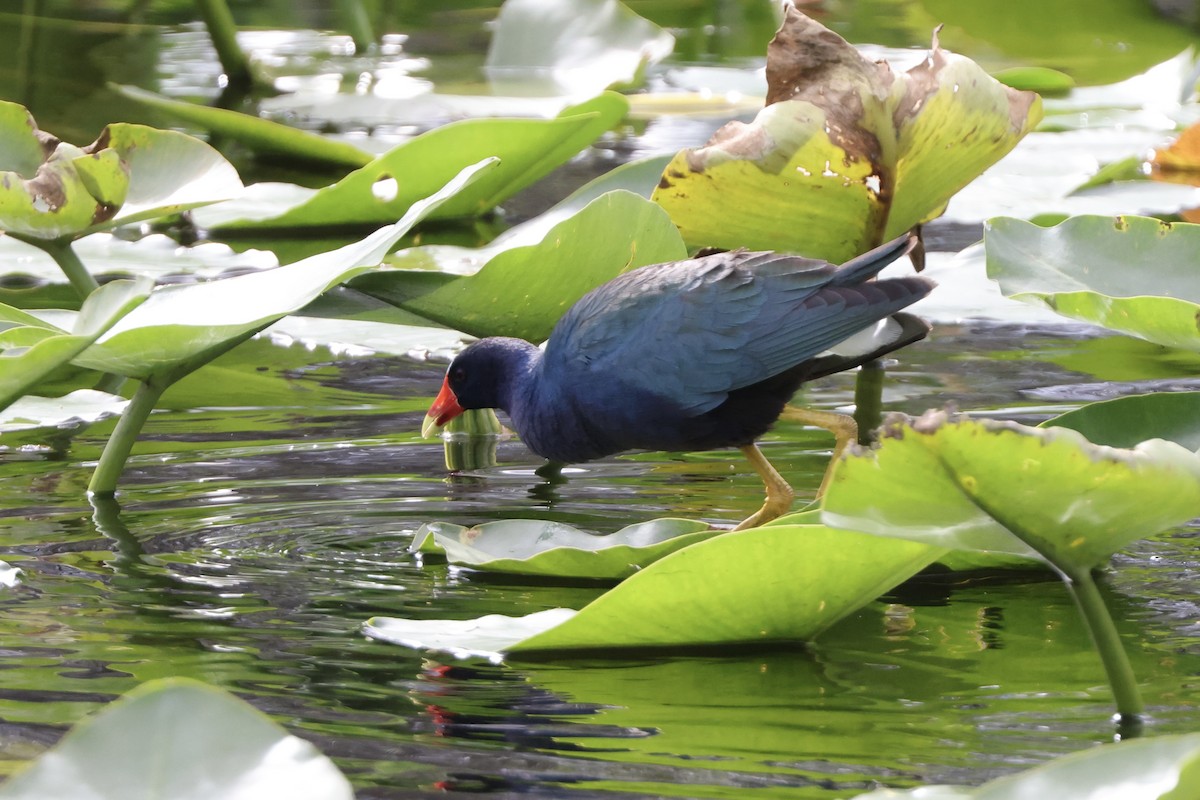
[1048, 493]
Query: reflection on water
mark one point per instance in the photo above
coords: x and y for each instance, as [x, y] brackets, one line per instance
[253, 543]
[267, 511]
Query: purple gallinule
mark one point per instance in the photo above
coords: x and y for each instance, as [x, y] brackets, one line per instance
[691, 355]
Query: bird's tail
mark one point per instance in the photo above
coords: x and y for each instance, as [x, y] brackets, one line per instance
[859, 268]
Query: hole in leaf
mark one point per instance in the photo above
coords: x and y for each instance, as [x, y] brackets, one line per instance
[385, 188]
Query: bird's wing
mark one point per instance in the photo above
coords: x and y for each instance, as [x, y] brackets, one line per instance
[693, 331]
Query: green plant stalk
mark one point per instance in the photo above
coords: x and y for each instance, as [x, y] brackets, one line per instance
[64, 255]
[868, 400]
[1108, 643]
[120, 443]
[358, 24]
[223, 32]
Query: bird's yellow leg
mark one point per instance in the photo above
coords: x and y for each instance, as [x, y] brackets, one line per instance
[779, 493]
[843, 428]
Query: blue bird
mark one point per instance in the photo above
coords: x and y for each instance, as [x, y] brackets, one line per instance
[691, 355]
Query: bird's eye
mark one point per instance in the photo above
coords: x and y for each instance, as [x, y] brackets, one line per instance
[458, 374]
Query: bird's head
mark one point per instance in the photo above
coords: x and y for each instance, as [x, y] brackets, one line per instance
[477, 378]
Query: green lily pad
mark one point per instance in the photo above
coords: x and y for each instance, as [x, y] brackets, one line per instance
[179, 739]
[858, 153]
[169, 172]
[81, 407]
[384, 189]
[261, 135]
[182, 326]
[1127, 421]
[1155, 768]
[614, 233]
[30, 349]
[639, 177]
[1081, 269]
[776, 584]
[998, 486]
[1036, 79]
[130, 173]
[571, 47]
[537, 547]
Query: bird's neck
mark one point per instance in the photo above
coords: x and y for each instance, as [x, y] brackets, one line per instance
[518, 380]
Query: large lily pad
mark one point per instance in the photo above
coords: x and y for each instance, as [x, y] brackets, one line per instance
[614, 233]
[1127, 421]
[178, 739]
[1136, 275]
[776, 584]
[1155, 768]
[31, 349]
[54, 190]
[571, 47]
[856, 152]
[998, 486]
[384, 189]
[182, 326]
[538, 547]
[638, 176]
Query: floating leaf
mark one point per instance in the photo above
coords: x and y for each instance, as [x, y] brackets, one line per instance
[528, 149]
[486, 637]
[1127, 421]
[261, 135]
[1156, 768]
[178, 739]
[182, 326]
[1036, 79]
[78, 408]
[573, 47]
[614, 233]
[538, 547]
[30, 349]
[1081, 268]
[770, 584]
[1003, 487]
[859, 154]
[155, 255]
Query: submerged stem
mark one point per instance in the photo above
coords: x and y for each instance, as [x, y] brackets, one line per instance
[1108, 643]
[120, 443]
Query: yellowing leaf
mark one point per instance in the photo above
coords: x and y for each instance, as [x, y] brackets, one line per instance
[846, 153]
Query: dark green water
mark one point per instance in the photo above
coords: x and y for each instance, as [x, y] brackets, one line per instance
[267, 510]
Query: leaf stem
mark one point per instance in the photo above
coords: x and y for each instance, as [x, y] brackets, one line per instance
[223, 31]
[868, 400]
[1108, 643]
[120, 443]
[64, 255]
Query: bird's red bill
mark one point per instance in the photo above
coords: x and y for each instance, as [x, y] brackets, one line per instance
[445, 408]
